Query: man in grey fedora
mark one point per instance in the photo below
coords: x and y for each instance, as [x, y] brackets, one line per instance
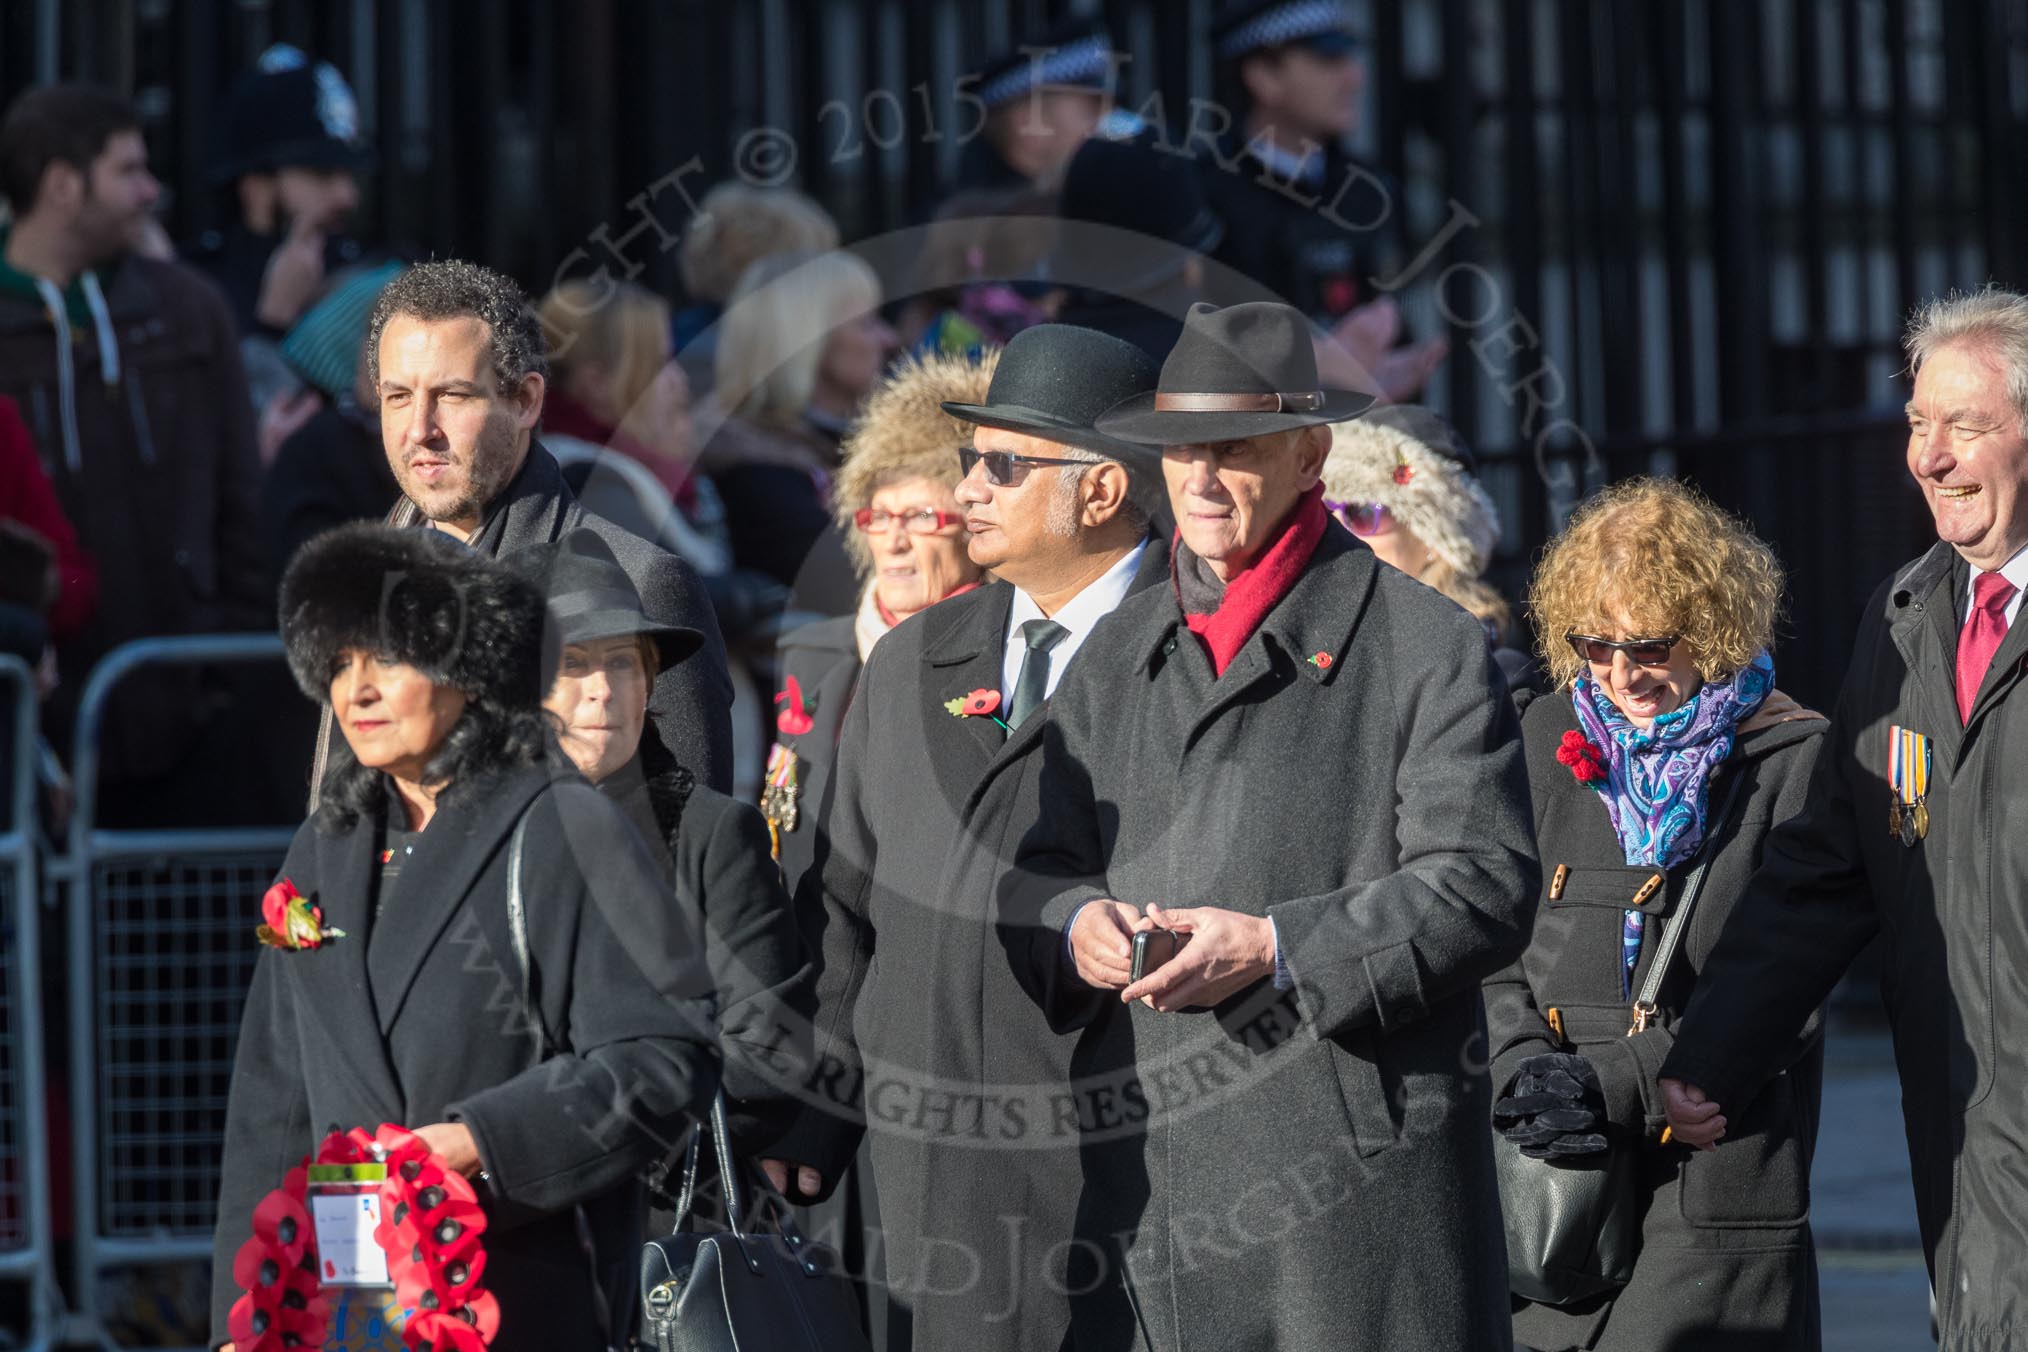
[1302, 767]
[928, 1047]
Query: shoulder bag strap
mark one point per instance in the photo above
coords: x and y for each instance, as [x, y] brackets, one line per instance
[517, 928]
[1672, 934]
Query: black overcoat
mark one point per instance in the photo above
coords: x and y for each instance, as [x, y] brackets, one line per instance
[424, 1023]
[714, 850]
[922, 1026]
[1950, 913]
[823, 657]
[1309, 1168]
[1726, 1256]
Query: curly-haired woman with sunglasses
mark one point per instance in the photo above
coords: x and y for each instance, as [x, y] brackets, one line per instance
[1664, 750]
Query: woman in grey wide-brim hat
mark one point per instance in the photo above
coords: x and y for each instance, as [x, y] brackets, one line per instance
[712, 849]
[431, 658]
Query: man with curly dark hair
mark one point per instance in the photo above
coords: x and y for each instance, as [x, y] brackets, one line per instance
[458, 362]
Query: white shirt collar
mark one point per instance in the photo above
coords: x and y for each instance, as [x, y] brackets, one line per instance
[2015, 570]
[1099, 599]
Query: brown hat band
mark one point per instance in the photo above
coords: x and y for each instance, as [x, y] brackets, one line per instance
[1240, 403]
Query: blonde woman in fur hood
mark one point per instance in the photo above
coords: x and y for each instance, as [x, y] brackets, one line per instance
[1401, 480]
[893, 501]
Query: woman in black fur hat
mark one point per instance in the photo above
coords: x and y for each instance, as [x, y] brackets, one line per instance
[713, 849]
[549, 1034]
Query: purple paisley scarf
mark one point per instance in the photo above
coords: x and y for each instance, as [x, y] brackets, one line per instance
[1657, 783]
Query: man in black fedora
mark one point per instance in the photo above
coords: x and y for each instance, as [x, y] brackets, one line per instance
[931, 1050]
[1300, 769]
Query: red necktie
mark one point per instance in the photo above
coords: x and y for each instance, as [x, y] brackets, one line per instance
[1980, 638]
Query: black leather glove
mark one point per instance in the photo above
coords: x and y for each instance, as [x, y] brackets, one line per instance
[1556, 1109]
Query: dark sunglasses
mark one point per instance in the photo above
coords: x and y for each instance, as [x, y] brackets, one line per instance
[1363, 519]
[921, 521]
[1004, 469]
[1642, 652]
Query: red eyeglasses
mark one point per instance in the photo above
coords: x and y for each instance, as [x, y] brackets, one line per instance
[1363, 519]
[916, 521]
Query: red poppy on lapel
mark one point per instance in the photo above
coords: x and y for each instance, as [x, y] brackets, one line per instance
[979, 704]
[1321, 661]
[1585, 760]
[291, 921]
[794, 720]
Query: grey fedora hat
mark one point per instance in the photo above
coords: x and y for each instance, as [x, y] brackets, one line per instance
[1245, 370]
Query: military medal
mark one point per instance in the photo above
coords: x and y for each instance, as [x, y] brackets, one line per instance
[1908, 767]
[778, 797]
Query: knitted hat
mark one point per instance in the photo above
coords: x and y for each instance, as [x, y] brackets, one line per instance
[904, 433]
[1410, 460]
[419, 597]
[324, 347]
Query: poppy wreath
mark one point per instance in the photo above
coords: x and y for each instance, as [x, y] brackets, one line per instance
[431, 1228]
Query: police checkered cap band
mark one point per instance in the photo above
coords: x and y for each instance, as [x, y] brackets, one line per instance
[1088, 61]
[1292, 22]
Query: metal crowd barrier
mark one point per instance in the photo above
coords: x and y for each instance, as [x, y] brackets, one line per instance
[161, 953]
[26, 1255]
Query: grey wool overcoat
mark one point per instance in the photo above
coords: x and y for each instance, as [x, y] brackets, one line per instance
[1307, 1168]
[928, 1046]
[1951, 910]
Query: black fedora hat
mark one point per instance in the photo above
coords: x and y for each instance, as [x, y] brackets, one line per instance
[1054, 380]
[591, 597]
[1246, 370]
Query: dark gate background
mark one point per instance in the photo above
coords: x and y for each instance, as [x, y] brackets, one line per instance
[1675, 235]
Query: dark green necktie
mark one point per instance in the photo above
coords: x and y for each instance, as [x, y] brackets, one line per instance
[1031, 687]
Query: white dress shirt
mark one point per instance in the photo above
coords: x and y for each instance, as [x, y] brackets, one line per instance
[2015, 570]
[1099, 599]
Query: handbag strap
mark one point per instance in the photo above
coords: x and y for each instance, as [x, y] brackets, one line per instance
[517, 929]
[1672, 933]
[731, 1177]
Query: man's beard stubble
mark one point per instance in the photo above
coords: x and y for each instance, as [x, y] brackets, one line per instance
[491, 466]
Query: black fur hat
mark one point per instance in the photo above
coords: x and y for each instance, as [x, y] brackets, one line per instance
[419, 597]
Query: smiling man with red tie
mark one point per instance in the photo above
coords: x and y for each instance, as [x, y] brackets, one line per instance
[1913, 831]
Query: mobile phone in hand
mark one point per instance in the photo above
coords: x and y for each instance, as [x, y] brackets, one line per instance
[1152, 948]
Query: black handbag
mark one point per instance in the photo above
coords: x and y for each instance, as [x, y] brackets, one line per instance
[741, 1288]
[1574, 1226]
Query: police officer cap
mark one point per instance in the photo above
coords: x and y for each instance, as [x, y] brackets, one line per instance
[289, 112]
[1075, 54]
[1323, 26]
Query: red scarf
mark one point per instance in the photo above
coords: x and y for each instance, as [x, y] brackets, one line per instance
[1254, 592]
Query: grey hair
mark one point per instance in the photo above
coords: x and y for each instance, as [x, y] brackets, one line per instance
[1062, 519]
[451, 288]
[1990, 318]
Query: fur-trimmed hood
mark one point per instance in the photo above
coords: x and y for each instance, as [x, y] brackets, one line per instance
[903, 433]
[1441, 502]
[422, 598]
